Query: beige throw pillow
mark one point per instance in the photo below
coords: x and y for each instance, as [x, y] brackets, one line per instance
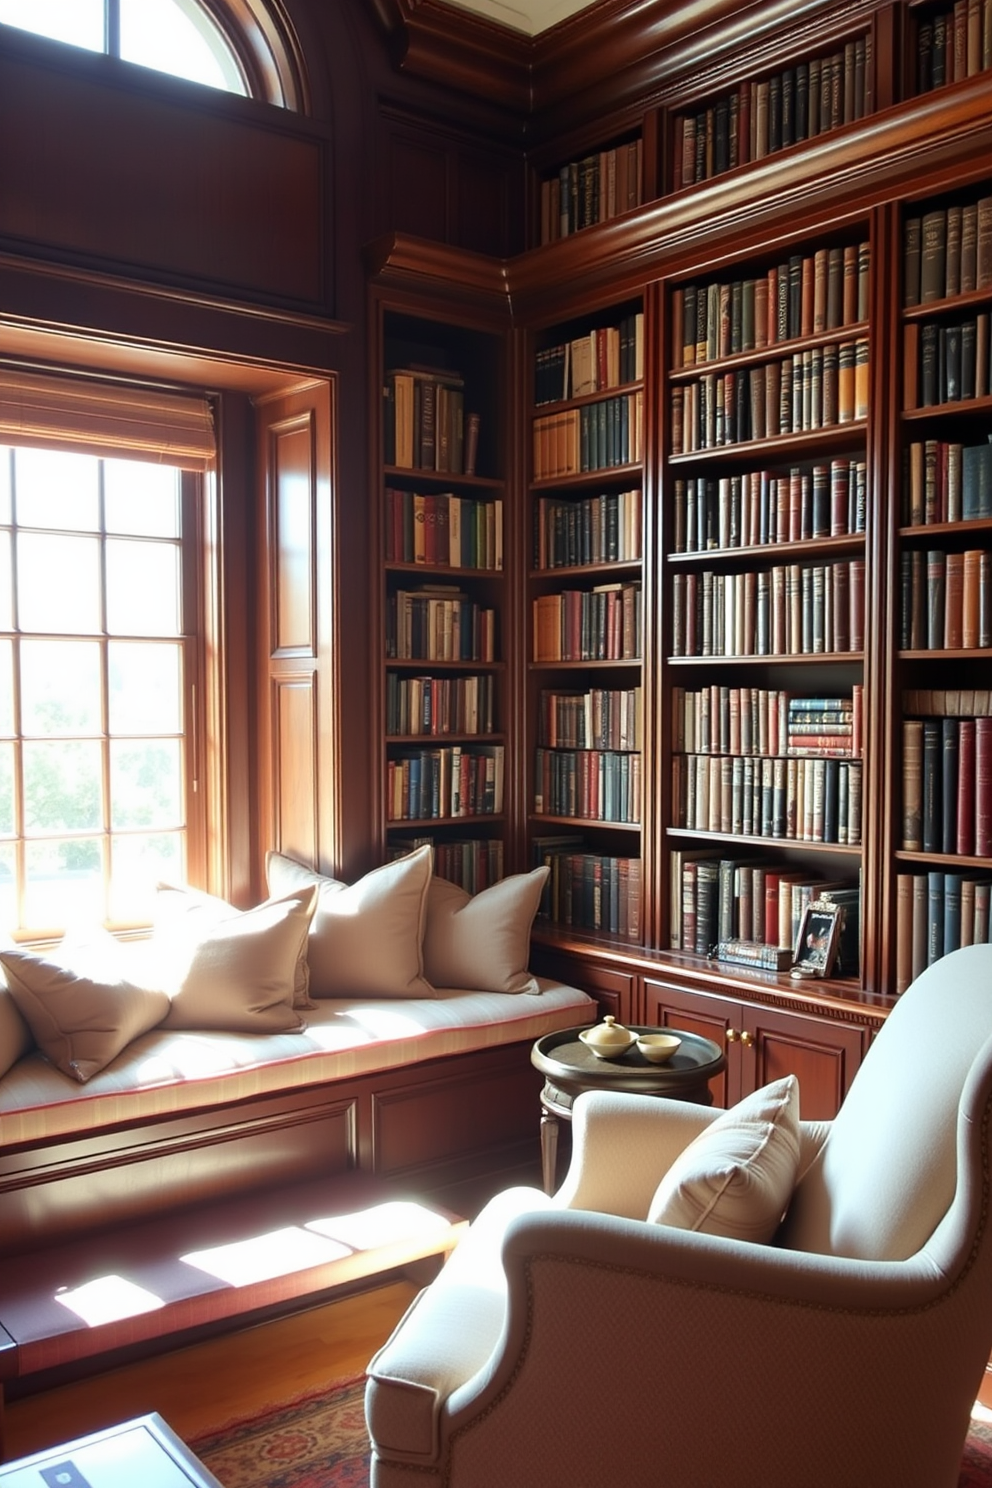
[736, 1178]
[192, 913]
[481, 942]
[15, 1035]
[239, 974]
[80, 1021]
[366, 939]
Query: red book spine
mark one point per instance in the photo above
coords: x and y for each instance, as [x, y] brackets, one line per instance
[983, 787]
[966, 787]
[857, 597]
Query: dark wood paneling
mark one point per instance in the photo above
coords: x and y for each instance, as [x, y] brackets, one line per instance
[173, 182]
[418, 198]
[299, 715]
[454, 1109]
[295, 767]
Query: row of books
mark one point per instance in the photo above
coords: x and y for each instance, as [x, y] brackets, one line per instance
[571, 533]
[440, 705]
[604, 623]
[947, 251]
[599, 718]
[587, 890]
[946, 481]
[803, 296]
[452, 781]
[767, 506]
[946, 363]
[946, 600]
[953, 44]
[715, 897]
[593, 189]
[947, 786]
[443, 530]
[589, 784]
[815, 389]
[475, 863]
[795, 799]
[430, 624]
[424, 424]
[791, 610]
[764, 721]
[763, 115]
[936, 913]
[595, 436]
[949, 702]
[603, 358]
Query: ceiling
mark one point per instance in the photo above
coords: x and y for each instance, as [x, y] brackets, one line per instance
[529, 16]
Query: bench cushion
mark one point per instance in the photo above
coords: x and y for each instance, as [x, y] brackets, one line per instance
[171, 1071]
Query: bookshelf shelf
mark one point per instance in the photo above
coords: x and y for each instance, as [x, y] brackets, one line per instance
[777, 446]
[765, 593]
[444, 712]
[941, 840]
[585, 709]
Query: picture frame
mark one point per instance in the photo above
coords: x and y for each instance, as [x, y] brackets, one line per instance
[816, 942]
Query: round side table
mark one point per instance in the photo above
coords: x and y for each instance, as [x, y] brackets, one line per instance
[569, 1068]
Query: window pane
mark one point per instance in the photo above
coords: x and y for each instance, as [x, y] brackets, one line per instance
[180, 39]
[8, 819]
[58, 583]
[62, 787]
[79, 22]
[142, 588]
[6, 587]
[138, 865]
[8, 885]
[145, 689]
[146, 783]
[53, 489]
[6, 687]
[141, 500]
[60, 688]
[6, 465]
[64, 882]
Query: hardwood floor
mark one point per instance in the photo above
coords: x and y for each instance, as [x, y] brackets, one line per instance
[207, 1384]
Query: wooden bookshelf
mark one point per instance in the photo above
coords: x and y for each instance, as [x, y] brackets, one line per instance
[586, 699]
[441, 563]
[943, 837]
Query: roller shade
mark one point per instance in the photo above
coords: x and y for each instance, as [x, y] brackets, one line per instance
[112, 420]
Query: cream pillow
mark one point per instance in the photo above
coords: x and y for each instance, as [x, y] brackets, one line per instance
[81, 1015]
[366, 939]
[736, 1178]
[193, 913]
[238, 975]
[15, 1035]
[481, 942]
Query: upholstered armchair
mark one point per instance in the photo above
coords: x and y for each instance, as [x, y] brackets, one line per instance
[573, 1340]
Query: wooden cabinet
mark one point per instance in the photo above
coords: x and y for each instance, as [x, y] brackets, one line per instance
[763, 1043]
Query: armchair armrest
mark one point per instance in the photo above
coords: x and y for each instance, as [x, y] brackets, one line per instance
[622, 1145]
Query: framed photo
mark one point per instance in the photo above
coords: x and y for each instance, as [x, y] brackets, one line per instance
[816, 943]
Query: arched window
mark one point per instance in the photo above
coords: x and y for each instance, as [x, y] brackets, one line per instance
[240, 46]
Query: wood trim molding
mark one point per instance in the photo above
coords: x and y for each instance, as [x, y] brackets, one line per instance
[399, 261]
[907, 149]
[449, 46]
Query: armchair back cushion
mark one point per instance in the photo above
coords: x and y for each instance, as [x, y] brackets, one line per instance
[886, 1173]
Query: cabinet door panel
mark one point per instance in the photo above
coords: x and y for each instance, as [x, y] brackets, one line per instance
[711, 1017]
[823, 1054]
[614, 991]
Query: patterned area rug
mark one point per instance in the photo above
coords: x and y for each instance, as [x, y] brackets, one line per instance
[319, 1441]
[315, 1441]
